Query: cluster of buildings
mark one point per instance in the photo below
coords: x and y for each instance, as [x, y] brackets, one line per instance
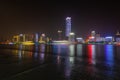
[93, 37]
[30, 39]
[96, 38]
[70, 37]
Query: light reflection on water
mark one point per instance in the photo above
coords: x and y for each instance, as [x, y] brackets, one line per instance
[65, 56]
[94, 52]
[42, 57]
[42, 48]
[62, 50]
[71, 50]
[109, 54]
[69, 63]
[91, 54]
[109, 60]
[24, 52]
[79, 50]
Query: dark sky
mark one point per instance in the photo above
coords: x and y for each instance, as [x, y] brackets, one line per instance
[30, 16]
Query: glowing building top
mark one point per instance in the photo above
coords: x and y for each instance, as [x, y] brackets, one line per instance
[68, 18]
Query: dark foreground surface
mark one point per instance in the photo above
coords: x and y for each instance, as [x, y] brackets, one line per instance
[60, 62]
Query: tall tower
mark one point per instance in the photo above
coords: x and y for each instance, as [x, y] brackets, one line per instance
[68, 26]
[36, 37]
[93, 33]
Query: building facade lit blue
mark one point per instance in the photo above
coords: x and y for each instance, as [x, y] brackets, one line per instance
[68, 26]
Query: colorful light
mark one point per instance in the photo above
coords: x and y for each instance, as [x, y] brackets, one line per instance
[109, 53]
[91, 54]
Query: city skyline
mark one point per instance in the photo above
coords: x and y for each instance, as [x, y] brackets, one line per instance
[28, 16]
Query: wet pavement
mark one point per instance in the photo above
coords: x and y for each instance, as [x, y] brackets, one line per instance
[28, 65]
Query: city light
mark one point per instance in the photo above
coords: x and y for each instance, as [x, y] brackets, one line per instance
[59, 31]
[72, 33]
[91, 37]
[68, 18]
[69, 37]
[109, 37]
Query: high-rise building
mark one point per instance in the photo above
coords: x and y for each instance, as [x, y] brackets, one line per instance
[72, 37]
[36, 37]
[93, 33]
[117, 36]
[68, 26]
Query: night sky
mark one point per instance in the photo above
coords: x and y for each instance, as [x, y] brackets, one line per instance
[31, 16]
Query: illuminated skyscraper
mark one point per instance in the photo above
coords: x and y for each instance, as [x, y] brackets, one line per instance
[72, 37]
[36, 37]
[117, 36]
[93, 33]
[68, 26]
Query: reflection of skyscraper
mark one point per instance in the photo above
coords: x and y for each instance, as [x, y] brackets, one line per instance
[91, 54]
[68, 26]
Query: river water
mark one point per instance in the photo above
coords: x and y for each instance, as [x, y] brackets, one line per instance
[60, 62]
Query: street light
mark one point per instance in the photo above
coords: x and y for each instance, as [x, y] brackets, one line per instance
[59, 33]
